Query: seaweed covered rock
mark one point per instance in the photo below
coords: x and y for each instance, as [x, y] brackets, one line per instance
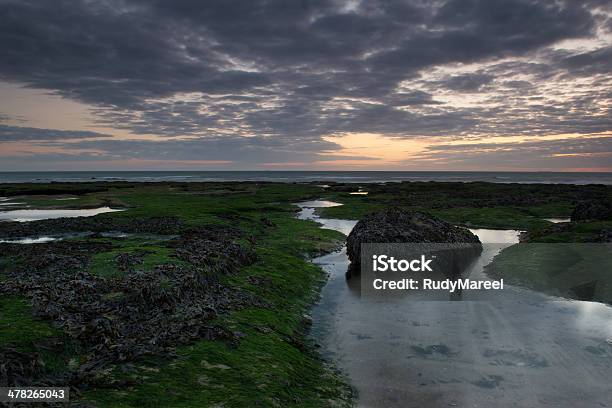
[127, 261]
[142, 312]
[99, 223]
[18, 368]
[605, 236]
[395, 225]
[596, 210]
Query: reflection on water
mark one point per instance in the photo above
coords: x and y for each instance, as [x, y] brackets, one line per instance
[308, 213]
[493, 236]
[34, 215]
[514, 348]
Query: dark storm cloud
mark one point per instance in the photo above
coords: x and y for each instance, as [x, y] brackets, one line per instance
[18, 133]
[469, 30]
[109, 52]
[598, 61]
[297, 70]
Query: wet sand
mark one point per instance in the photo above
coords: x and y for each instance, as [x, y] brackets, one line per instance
[514, 348]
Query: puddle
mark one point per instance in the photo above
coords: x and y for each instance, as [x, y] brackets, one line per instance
[505, 349]
[359, 192]
[318, 204]
[60, 237]
[557, 220]
[38, 240]
[35, 215]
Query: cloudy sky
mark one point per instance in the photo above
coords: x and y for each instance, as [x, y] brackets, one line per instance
[306, 84]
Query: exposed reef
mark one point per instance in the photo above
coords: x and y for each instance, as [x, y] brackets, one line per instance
[592, 210]
[117, 319]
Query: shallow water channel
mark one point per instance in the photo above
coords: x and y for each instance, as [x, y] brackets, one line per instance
[510, 348]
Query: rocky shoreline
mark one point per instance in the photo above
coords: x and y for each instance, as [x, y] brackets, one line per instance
[193, 262]
[118, 319]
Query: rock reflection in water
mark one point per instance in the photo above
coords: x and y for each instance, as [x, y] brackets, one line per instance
[503, 349]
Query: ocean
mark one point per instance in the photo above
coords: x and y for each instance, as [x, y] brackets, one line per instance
[309, 176]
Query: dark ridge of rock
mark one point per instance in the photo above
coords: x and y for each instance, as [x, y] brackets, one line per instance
[101, 223]
[214, 248]
[58, 257]
[127, 261]
[482, 194]
[592, 210]
[605, 236]
[18, 368]
[50, 190]
[395, 225]
[534, 235]
[117, 319]
[343, 188]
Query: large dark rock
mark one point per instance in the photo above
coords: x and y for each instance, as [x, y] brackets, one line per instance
[395, 225]
[592, 210]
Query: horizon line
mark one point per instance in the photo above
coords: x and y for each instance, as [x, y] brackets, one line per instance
[311, 171]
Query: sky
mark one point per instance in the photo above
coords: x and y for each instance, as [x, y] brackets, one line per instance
[506, 85]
